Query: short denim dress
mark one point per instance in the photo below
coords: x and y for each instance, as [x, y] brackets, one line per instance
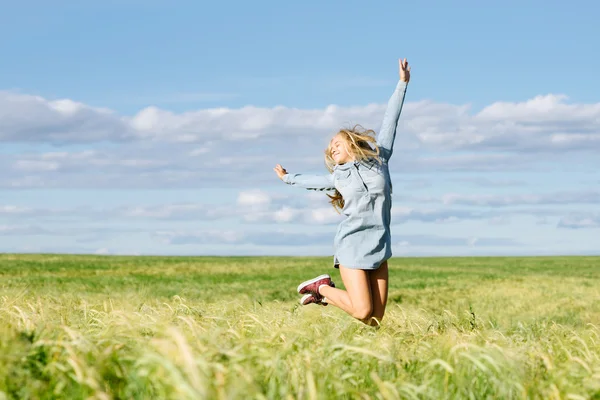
[363, 238]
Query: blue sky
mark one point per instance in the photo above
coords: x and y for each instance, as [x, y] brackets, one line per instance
[132, 127]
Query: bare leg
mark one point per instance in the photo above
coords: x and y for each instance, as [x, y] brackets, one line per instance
[378, 280]
[356, 299]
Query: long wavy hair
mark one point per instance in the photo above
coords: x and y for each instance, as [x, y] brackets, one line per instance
[361, 144]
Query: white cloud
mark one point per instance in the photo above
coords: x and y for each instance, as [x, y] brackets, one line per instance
[24, 230]
[245, 123]
[542, 123]
[453, 241]
[225, 147]
[36, 165]
[254, 199]
[588, 197]
[84, 160]
[580, 221]
[489, 182]
[199, 151]
[262, 207]
[170, 211]
[255, 206]
[237, 148]
[500, 200]
[472, 241]
[13, 210]
[219, 237]
[324, 215]
[169, 166]
[26, 118]
[287, 238]
[285, 214]
[402, 214]
[499, 220]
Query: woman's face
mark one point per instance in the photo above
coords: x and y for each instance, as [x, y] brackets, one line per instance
[339, 151]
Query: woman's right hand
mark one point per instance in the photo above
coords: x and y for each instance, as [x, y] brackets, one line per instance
[404, 70]
[280, 171]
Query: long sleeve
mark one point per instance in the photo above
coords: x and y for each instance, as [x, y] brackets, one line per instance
[311, 182]
[387, 133]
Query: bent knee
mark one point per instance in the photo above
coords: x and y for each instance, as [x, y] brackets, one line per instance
[363, 313]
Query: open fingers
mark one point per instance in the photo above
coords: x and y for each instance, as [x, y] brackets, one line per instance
[403, 63]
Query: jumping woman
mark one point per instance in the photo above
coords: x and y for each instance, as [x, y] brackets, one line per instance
[357, 160]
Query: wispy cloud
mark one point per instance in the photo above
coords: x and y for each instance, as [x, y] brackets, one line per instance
[258, 207]
[24, 230]
[286, 238]
[435, 240]
[500, 200]
[489, 182]
[580, 221]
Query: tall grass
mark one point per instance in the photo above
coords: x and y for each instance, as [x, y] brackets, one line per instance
[78, 327]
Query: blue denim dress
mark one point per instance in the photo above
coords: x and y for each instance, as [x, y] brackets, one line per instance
[363, 238]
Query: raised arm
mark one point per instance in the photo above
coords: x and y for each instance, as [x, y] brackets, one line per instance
[387, 133]
[311, 182]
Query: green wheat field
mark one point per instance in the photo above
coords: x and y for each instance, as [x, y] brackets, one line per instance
[108, 327]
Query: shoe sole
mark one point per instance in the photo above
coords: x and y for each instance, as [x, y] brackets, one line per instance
[318, 278]
[306, 296]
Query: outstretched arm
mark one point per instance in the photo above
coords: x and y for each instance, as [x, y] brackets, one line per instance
[387, 133]
[311, 182]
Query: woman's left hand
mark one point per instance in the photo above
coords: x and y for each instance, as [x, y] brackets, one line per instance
[404, 70]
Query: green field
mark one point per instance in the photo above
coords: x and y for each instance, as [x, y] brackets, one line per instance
[101, 327]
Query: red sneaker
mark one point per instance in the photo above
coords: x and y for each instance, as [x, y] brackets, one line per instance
[312, 285]
[312, 299]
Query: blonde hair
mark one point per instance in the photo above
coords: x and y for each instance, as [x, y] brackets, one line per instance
[361, 144]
